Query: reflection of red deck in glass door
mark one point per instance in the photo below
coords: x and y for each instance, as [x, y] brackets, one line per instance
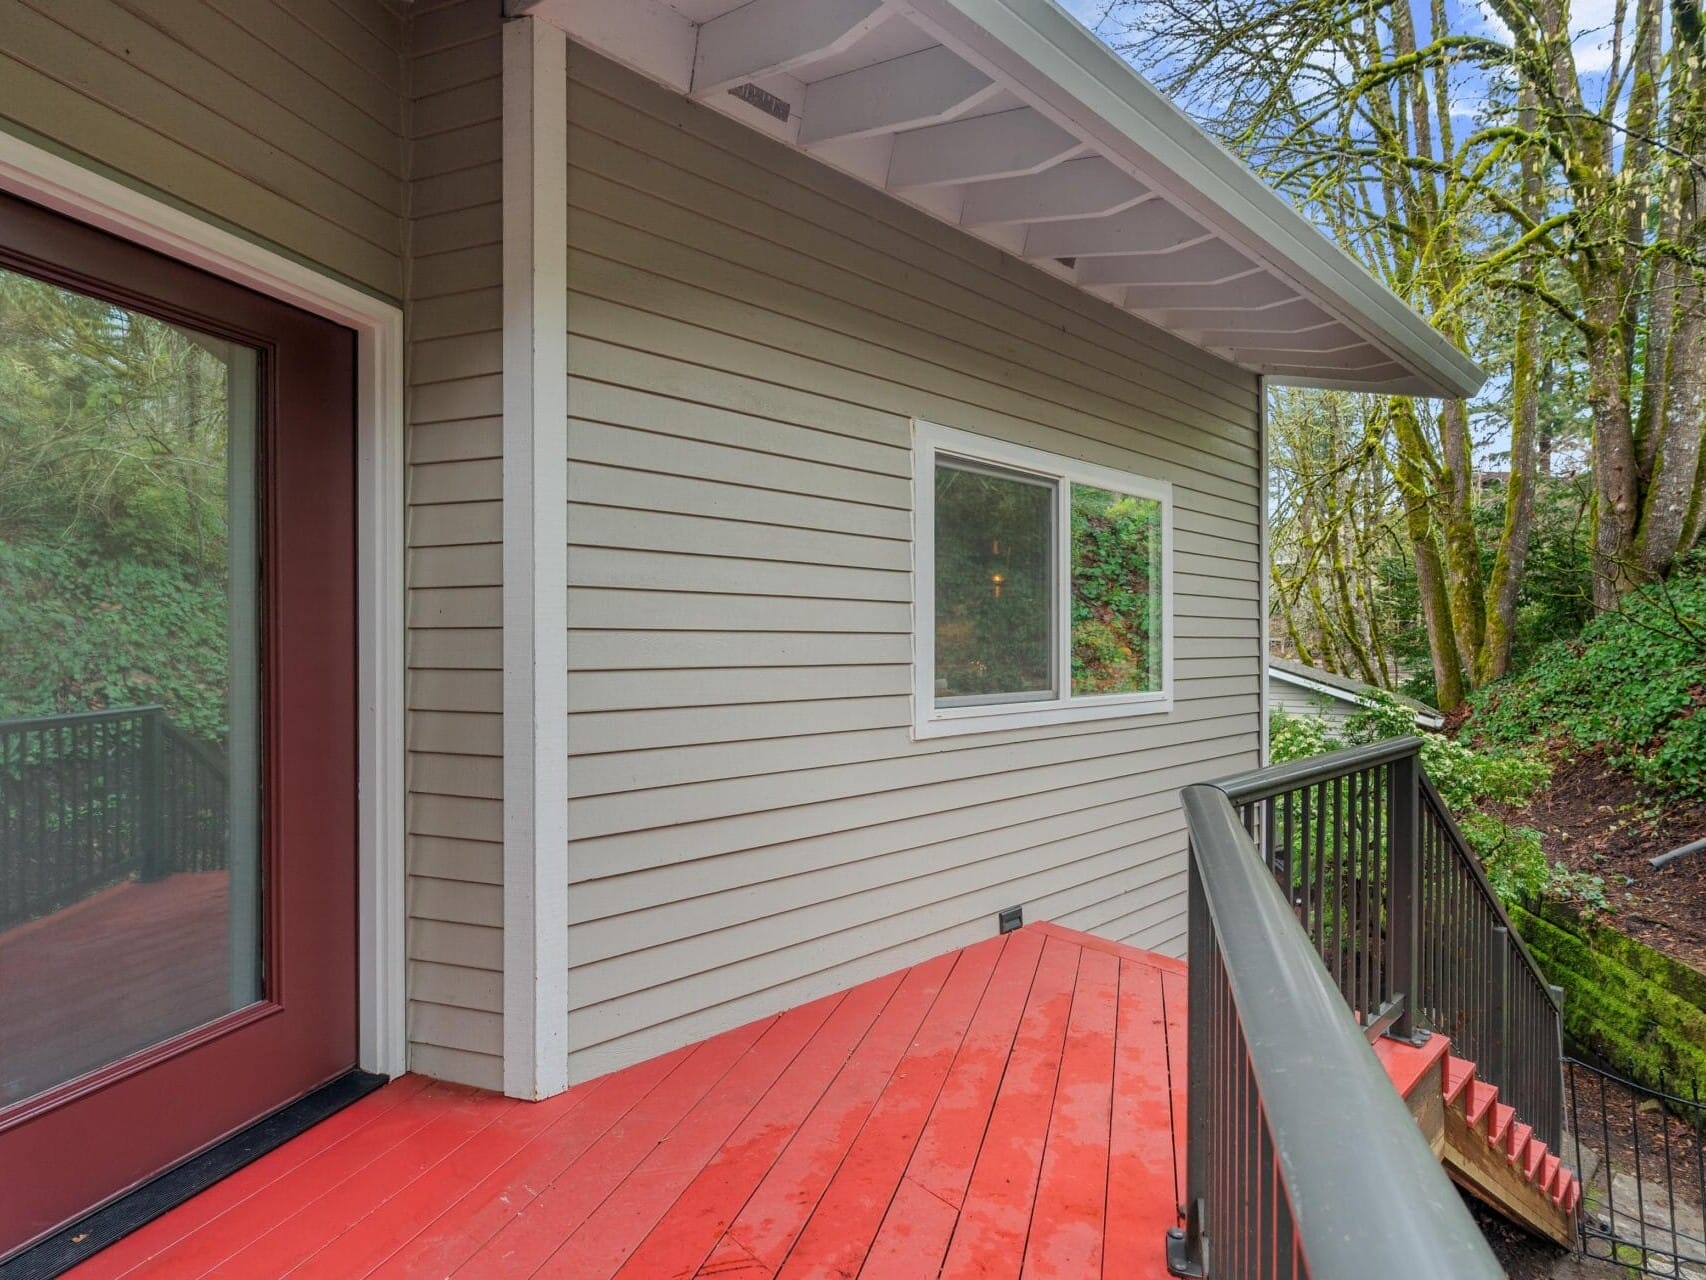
[177, 958]
[183, 976]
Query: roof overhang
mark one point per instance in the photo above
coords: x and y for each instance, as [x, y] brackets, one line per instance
[1009, 119]
[1426, 717]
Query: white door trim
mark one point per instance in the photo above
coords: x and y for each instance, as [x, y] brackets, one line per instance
[51, 180]
[535, 560]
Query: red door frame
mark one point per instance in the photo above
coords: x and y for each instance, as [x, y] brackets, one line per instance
[94, 1138]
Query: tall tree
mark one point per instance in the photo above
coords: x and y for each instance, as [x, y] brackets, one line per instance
[1468, 168]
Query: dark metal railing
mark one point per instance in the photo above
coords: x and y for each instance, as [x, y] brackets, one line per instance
[96, 797]
[1641, 1156]
[1399, 909]
[1478, 983]
[1324, 827]
[1301, 1159]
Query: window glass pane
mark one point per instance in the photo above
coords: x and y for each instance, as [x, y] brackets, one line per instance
[129, 682]
[994, 583]
[1116, 592]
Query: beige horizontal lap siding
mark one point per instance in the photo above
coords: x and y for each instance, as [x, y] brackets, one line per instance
[455, 695]
[751, 823]
[1295, 700]
[278, 119]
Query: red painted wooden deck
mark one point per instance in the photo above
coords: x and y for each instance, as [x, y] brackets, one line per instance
[1014, 1108]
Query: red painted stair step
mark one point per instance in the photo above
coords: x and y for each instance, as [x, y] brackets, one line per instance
[1499, 1127]
[1531, 1164]
[1482, 1096]
[1458, 1073]
[1518, 1147]
[1504, 1130]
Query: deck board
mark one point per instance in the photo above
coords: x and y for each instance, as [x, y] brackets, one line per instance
[1011, 1108]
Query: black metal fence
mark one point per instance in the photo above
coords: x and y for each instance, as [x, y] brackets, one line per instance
[1296, 1138]
[1400, 911]
[93, 798]
[1641, 1157]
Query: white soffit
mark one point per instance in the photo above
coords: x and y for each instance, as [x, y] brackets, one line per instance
[1009, 119]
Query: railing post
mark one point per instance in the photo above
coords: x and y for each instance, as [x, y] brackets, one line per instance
[151, 777]
[1404, 927]
[1555, 1127]
[1187, 1251]
[1501, 981]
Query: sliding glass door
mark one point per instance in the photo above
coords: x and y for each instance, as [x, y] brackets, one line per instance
[176, 713]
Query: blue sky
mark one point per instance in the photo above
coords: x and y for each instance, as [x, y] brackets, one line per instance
[1590, 20]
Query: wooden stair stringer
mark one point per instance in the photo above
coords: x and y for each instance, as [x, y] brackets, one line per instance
[1482, 1143]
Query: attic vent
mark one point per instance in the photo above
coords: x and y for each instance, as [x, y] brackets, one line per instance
[764, 100]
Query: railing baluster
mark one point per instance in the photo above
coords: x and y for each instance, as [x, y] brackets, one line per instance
[1404, 920]
[1635, 1143]
[1670, 1179]
[1360, 888]
[1320, 935]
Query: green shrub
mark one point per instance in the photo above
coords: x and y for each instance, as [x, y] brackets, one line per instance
[1632, 685]
[1470, 781]
[82, 630]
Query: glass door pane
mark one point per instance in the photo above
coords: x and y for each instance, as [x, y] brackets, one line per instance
[130, 747]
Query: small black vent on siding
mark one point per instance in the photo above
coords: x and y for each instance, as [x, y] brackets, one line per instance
[1011, 918]
[764, 100]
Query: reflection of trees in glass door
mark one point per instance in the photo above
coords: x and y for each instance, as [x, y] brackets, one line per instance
[129, 682]
[177, 712]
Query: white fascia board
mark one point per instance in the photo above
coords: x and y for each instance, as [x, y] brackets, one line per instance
[1093, 90]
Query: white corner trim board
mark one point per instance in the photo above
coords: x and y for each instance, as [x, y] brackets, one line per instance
[57, 183]
[1264, 570]
[535, 559]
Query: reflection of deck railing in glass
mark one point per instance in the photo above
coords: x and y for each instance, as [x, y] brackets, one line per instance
[96, 797]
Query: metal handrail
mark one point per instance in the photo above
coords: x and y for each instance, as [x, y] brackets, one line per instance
[1302, 1159]
[1277, 779]
[61, 720]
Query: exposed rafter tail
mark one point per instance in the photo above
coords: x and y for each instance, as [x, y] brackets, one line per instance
[766, 37]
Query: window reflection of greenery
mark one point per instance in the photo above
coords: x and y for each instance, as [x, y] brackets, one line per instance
[1116, 592]
[113, 445]
[994, 583]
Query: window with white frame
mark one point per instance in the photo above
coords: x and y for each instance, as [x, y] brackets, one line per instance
[1042, 587]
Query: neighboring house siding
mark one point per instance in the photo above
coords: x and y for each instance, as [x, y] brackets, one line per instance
[1297, 701]
[751, 823]
[455, 608]
[279, 119]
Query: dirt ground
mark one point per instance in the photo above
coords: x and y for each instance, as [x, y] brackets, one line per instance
[1528, 1257]
[1593, 820]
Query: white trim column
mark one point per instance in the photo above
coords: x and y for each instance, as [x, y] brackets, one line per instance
[535, 559]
